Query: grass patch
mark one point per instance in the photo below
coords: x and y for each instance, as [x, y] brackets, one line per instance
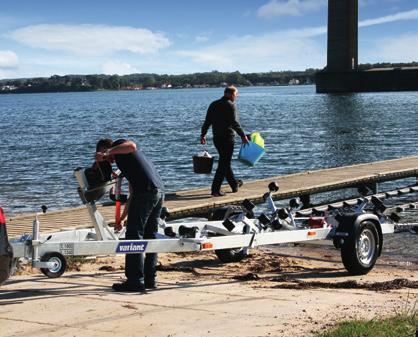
[401, 325]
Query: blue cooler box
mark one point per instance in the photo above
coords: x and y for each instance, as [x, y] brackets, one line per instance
[250, 153]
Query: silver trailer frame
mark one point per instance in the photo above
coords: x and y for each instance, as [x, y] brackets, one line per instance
[48, 251]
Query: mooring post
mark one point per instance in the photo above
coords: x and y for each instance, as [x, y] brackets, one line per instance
[375, 187]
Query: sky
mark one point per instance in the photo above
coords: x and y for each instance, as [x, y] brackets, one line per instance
[49, 37]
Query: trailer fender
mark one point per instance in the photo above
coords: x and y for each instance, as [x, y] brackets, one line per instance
[375, 219]
[231, 254]
[348, 226]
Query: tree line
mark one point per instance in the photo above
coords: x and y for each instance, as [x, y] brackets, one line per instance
[143, 81]
[68, 83]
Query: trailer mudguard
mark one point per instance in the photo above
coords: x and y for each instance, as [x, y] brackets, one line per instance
[348, 226]
[6, 250]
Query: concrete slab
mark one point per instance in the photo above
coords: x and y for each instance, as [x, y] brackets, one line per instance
[210, 303]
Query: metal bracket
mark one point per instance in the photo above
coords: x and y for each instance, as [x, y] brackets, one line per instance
[252, 241]
[40, 264]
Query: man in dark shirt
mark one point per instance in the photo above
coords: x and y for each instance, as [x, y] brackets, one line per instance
[143, 208]
[222, 115]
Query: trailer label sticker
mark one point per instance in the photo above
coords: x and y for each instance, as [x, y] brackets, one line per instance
[342, 234]
[67, 248]
[131, 247]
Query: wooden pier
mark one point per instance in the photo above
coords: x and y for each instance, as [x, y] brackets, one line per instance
[199, 201]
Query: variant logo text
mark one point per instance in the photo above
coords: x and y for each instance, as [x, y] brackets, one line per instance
[131, 247]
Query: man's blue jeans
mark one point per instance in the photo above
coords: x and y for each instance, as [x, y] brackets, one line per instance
[143, 217]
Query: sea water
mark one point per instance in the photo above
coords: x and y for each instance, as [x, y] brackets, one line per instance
[44, 137]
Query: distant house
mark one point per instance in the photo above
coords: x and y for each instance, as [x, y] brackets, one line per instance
[134, 87]
[8, 88]
[294, 81]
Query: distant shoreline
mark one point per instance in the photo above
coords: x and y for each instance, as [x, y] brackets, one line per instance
[146, 81]
[31, 91]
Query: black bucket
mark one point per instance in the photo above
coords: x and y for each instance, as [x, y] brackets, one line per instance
[202, 164]
[6, 251]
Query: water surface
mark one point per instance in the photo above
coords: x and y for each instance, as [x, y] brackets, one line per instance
[44, 137]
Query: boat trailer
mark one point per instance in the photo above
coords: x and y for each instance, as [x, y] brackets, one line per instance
[356, 227]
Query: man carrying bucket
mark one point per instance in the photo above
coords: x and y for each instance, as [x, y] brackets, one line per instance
[222, 115]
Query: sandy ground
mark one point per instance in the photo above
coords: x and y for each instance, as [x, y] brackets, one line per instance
[291, 292]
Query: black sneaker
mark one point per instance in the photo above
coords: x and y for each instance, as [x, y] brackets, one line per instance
[218, 194]
[128, 287]
[239, 184]
[151, 284]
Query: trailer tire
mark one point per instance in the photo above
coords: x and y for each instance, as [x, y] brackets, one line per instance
[232, 254]
[225, 212]
[360, 250]
[60, 267]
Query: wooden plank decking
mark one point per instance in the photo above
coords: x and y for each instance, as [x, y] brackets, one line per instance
[198, 201]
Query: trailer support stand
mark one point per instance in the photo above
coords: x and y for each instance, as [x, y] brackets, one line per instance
[306, 200]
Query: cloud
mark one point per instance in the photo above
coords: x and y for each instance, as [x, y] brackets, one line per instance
[408, 15]
[394, 49]
[365, 3]
[280, 50]
[118, 67]
[5, 74]
[289, 8]
[209, 56]
[90, 39]
[202, 38]
[8, 59]
[401, 16]
[294, 49]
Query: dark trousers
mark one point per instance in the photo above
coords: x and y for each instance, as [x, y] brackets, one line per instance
[143, 217]
[224, 170]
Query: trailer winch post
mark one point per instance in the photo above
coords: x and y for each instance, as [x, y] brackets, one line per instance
[103, 232]
[35, 240]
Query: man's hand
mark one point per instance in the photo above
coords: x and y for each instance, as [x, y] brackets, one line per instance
[244, 139]
[118, 226]
[203, 140]
[100, 156]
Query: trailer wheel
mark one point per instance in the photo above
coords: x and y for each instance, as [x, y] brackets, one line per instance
[223, 213]
[59, 267]
[359, 252]
[233, 254]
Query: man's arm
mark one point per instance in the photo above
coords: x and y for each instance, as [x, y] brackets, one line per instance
[125, 147]
[236, 125]
[127, 204]
[206, 125]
